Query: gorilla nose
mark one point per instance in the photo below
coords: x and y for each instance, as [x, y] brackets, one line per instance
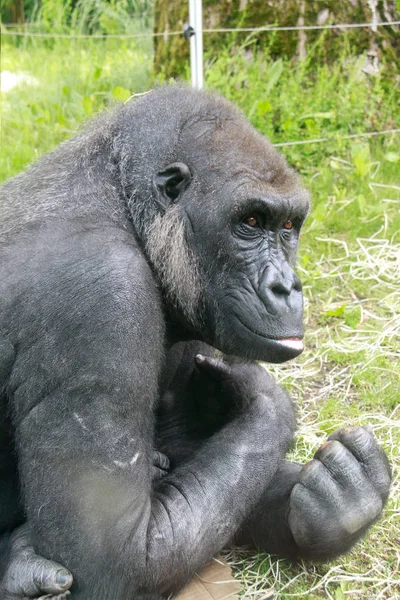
[281, 282]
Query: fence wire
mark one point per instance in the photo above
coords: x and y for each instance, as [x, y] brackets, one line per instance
[341, 137]
[267, 28]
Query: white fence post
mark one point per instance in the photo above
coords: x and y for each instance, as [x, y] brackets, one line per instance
[196, 42]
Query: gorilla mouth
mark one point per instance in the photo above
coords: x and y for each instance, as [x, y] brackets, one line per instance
[291, 343]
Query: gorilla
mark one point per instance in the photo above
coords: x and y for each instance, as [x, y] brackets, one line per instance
[146, 264]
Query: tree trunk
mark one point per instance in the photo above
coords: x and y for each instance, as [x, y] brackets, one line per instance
[13, 12]
[171, 57]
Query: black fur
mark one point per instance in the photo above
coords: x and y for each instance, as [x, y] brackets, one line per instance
[167, 220]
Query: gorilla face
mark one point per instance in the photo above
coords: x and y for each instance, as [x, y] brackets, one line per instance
[242, 208]
[257, 305]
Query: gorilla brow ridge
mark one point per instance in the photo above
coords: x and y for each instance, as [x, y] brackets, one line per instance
[175, 263]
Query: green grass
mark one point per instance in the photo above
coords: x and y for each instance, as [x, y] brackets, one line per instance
[76, 79]
[349, 258]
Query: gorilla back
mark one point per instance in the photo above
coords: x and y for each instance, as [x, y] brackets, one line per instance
[167, 219]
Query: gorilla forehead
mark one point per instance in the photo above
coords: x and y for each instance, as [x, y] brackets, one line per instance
[232, 161]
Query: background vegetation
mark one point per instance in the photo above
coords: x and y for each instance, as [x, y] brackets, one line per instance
[171, 54]
[350, 254]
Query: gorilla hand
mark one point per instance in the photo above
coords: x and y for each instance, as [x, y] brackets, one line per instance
[30, 576]
[340, 494]
[206, 393]
[239, 383]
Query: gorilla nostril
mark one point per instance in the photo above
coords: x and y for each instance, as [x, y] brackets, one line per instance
[281, 288]
[297, 285]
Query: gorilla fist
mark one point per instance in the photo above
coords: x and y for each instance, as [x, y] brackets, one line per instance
[341, 492]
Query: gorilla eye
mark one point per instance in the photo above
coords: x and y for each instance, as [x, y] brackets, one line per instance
[288, 225]
[252, 221]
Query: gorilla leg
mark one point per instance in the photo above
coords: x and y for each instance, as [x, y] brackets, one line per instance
[23, 574]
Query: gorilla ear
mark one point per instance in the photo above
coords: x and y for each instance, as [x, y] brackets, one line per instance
[171, 182]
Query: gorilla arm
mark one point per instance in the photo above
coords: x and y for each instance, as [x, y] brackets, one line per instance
[316, 511]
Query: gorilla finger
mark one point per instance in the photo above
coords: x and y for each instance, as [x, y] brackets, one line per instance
[362, 444]
[161, 461]
[340, 462]
[50, 577]
[316, 478]
[215, 367]
[342, 485]
[355, 484]
[158, 474]
[306, 513]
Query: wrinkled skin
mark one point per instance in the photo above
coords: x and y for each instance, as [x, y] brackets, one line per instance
[169, 220]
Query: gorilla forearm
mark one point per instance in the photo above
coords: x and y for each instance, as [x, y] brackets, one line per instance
[209, 494]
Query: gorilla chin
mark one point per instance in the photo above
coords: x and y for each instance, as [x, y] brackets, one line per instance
[246, 342]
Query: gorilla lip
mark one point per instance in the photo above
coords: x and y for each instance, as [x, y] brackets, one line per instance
[291, 343]
[294, 343]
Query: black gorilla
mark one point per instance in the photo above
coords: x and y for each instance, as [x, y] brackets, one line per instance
[166, 221]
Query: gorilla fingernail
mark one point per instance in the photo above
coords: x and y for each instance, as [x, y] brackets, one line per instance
[63, 578]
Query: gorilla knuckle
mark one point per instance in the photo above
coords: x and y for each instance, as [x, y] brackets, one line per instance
[356, 439]
[312, 472]
[331, 451]
[358, 436]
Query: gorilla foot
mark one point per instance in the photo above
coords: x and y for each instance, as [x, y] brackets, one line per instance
[31, 576]
[340, 493]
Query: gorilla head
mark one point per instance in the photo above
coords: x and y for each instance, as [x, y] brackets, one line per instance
[221, 223]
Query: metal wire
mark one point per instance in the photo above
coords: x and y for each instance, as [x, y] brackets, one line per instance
[341, 137]
[99, 36]
[267, 28]
[302, 27]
